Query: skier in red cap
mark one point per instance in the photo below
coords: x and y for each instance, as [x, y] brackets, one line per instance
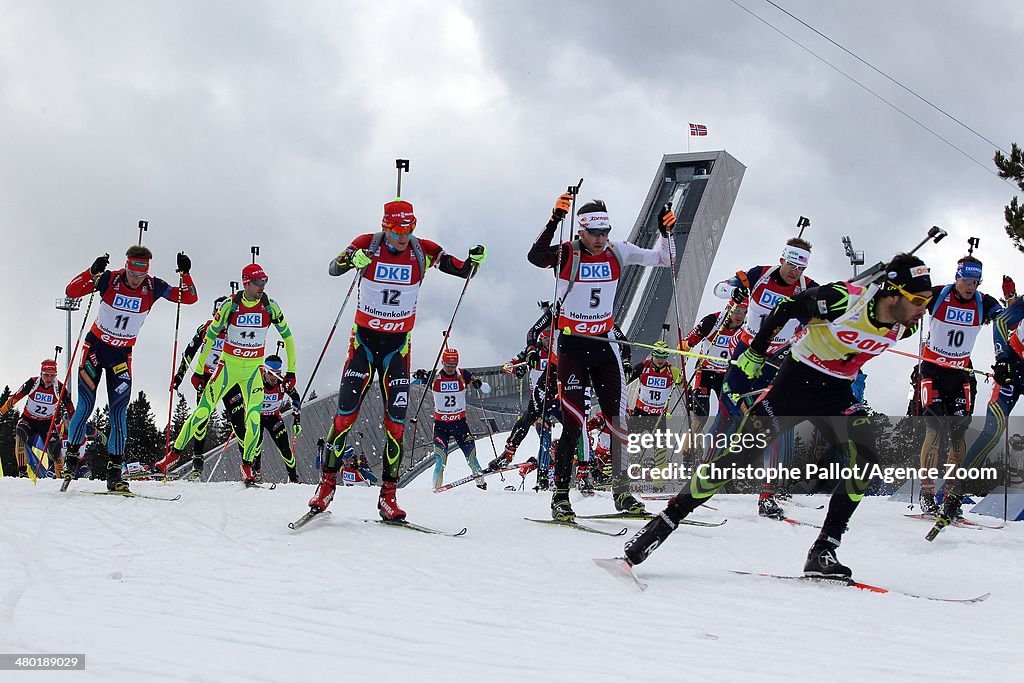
[449, 390]
[245, 320]
[43, 393]
[391, 264]
[126, 297]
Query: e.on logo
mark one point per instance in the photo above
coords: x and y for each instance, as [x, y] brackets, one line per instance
[874, 345]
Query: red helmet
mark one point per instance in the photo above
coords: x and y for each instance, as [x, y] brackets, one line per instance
[450, 357]
[544, 334]
[398, 217]
[253, 271]
[48, 367]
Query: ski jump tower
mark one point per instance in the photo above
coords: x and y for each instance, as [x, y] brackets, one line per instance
[702, 187]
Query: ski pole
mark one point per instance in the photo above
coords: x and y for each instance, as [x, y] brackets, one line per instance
[556, 308]
[174, 358]
[71, 363]
[679, 317]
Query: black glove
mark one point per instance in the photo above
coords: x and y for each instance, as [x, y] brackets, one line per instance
[184, 263]
[740, 294]
[477, 383]
[532, 356]
[1002, 372]
[521, 371]
[420, 374]
[179, 377]
[99, 265]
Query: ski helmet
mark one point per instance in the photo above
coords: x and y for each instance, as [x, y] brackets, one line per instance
[450, 357]
[660, 350]
[254, 273]
[398, 217]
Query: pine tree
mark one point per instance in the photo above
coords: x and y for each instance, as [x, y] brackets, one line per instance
[181, 413]
[1012, 168]
[144, 442]
[7, 423]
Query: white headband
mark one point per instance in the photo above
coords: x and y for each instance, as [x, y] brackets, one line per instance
[796, 256]
[597, 220]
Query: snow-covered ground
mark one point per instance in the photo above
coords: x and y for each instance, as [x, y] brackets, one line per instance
[215, 587]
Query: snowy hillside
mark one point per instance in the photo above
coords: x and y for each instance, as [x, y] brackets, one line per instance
[215, 587]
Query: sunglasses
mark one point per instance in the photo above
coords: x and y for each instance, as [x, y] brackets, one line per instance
[914, 299]
[598, 232]
[259, 282]
[397, 236]
[795, 266]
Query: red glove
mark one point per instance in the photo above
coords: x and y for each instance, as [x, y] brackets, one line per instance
[199, 380]
[1009, 289]
[527, 467]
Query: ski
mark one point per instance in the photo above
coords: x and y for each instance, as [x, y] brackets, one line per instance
[474, 477]
[417, 527]
[862, 586]
[797, 522]
[648, 515]
[962, 523]
[305, 519]
[131, 494]
[618, 515]
[64, 486]
[798, 504]
[581, 527]
[620, 568]
[254, 485]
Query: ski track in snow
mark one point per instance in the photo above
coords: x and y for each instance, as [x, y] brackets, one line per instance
[215, 587]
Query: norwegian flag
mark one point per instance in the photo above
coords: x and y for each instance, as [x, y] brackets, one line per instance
[698, 129]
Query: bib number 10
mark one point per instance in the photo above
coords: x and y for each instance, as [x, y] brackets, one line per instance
[955, 338]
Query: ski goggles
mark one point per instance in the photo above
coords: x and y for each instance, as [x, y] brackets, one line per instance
[598, 232]
[396, 236]
[914, 299]
[258, 282]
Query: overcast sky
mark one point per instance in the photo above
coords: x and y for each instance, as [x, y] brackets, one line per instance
[227, 124]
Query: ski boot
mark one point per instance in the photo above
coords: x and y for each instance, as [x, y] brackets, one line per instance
[387, 506]
[257, 469]
[114, 481]
[583, 483]
[71, 464]
[502, 460]
[561, 508]
[651, 536]
[480, 483]
[625, 502]
[293, 475]
[248, 473]
[822, 561]
[768, 507]
[167, 462]
[952, 510]
[543, 483]
[325, 492]
[928, 504]
[197, 469]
